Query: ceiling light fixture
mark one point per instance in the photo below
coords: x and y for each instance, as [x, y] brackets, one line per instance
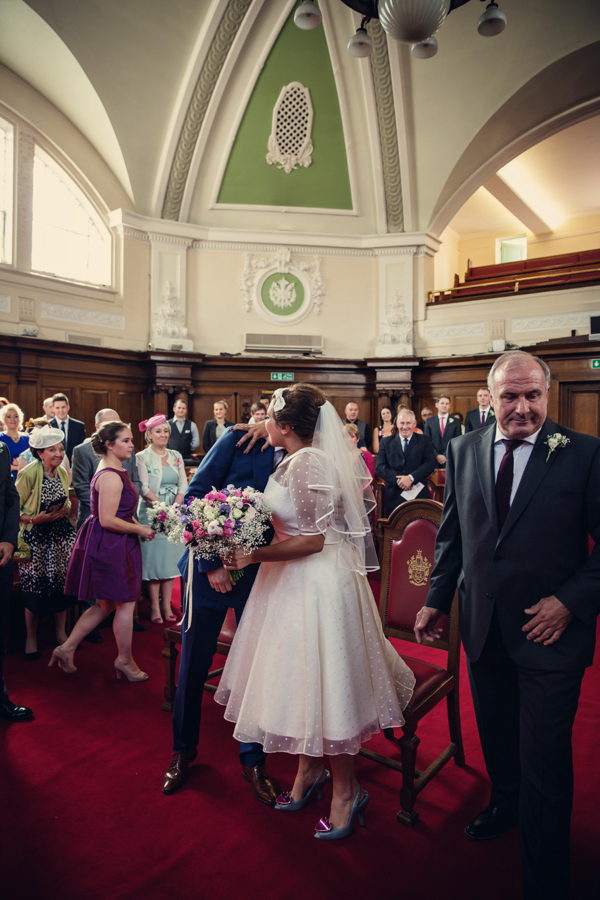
[492, 21]
[308, 16]
[425, 49]
[361, 43]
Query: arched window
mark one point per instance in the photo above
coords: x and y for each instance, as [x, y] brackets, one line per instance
[69, 239]
[7, 132]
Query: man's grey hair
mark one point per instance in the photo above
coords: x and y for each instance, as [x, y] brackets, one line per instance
[103, 414]
[406, 412]
[513, 359]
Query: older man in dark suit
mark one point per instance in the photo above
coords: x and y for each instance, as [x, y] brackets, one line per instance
[9, 531]
[404, 459]
[522, 496]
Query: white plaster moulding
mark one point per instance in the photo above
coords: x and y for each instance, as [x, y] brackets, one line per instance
[215, 100]
[580, 319]
[311, 210]
[396, 52]
[419, 243]
[459, 329]
[5, 303]
[52, 285]
[510, 151]
[82, 316]
[184, 96]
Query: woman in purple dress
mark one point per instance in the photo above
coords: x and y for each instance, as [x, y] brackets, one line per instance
[106, 563]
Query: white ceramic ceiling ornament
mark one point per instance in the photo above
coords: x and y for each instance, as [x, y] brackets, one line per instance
[412, 21]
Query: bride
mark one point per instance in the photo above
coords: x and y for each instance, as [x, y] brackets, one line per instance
[310, 671]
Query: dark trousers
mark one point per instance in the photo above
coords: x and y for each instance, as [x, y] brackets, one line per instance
[525, 721]
[199, 644]
[6, 578]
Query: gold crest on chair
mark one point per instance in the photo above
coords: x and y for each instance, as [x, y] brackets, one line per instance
[418, 569]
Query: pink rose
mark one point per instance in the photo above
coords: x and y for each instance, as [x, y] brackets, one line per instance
[188, 537]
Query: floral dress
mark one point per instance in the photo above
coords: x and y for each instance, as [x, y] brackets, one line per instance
[43, 577]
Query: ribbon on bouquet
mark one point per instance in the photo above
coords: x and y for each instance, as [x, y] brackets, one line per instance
[187, 605]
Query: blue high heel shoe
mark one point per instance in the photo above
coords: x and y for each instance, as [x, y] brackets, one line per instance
[285, 802]
[325, 831]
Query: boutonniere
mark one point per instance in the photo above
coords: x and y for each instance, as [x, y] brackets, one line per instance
[556, 442]
[450, 419]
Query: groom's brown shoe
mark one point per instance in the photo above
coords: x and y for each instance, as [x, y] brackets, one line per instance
[177, 771]
[263, 787]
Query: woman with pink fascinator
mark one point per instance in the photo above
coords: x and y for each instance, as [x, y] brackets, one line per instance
[162, 474]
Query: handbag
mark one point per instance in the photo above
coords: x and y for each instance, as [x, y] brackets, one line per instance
[23, 551]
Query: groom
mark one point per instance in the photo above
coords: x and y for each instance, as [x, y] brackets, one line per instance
[522, 496]
[225, 463]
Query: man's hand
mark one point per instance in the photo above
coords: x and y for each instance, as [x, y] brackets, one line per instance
[404, 482]
[219, 580]
[6, 551]
[425, 625]
[441, 459]
[550, 618]
[253, 434]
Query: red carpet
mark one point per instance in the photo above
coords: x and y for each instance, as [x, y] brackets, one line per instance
[82, 814]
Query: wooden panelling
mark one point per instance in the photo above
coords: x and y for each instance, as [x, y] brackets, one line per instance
[581, 406]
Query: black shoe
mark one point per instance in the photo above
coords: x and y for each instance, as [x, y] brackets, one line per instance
[34, 655]
[138, 627]
[13, 713]
[490, 823]
[93, 637]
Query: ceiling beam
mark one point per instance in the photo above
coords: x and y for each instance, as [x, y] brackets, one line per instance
[515, 204]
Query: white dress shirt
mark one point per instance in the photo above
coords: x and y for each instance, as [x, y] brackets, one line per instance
[520, 455]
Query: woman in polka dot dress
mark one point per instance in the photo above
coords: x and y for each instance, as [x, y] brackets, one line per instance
[310, 671]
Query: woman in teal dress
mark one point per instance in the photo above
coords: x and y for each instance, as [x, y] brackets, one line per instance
[162, 476]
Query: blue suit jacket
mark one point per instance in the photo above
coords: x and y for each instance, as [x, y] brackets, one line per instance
[224, 464]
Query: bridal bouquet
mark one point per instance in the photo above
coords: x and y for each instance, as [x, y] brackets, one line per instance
[219, 523]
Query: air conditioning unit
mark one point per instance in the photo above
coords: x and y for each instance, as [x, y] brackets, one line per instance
[283, 343]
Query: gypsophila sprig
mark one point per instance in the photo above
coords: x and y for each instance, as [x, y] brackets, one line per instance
[162, 518]
[556, 442]
[219, 523]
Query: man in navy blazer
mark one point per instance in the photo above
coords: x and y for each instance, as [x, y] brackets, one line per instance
[483, 415]
[404, 459]
[522, 496]
[212, 595]
[442, 428]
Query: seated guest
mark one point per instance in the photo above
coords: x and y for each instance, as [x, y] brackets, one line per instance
[214, 428]
[387, 427]
[404, 460]
[73, 430]
[27, 456]
[354, 437]
[162, 475]
[426, 413]
[13, 436]
[442, 428]
[259, 413]
[48, 410]
[43, 488]
[483, 415]
[106, 561]
[184, 436]
[364, 429]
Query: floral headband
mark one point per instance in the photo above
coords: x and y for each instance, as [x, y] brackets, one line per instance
[153, 421]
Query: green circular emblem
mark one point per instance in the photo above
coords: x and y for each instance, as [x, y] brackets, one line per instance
[282, 294]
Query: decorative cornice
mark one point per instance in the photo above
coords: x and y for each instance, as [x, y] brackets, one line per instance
[561, 320]
[465, 329]
[133, 234]
[207, 80]
[386, 119]
[169, 239]
[234, 247]
[81, 316]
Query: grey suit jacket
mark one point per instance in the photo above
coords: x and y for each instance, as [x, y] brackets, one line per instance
[84, 465]
[542, 549]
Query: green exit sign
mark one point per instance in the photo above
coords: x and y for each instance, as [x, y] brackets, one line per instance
[595, 363]
[285, 376]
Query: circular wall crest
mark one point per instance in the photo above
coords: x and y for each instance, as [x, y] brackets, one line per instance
[283, 297]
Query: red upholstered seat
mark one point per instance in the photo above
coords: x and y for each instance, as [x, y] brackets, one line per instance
[408, 544]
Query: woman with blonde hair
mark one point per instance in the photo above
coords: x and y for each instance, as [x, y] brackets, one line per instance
[162, 474]
[43, 487]
[106, 563]
[13, 435]
[214, 428]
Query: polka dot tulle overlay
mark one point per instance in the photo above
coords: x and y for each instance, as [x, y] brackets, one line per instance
[310, 670]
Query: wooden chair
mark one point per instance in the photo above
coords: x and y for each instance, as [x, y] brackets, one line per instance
[437, 484]
[408, 547]
[172, 637]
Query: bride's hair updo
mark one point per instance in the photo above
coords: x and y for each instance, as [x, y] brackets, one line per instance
[106, 434]
[303, 404]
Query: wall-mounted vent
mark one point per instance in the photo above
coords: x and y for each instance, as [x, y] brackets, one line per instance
[84, 339]
[283, 343]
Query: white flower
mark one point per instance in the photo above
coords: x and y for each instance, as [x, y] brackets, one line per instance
[236, 513]
[209, 513]
[556, 442]
[214, 528]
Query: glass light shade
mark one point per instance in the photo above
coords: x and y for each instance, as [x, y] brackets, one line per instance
[308, 16]
[412, 21]
[426, 49]
[491, 22]
[360, 44]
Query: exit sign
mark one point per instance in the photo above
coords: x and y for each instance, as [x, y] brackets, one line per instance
[288, 376]
[595, 363]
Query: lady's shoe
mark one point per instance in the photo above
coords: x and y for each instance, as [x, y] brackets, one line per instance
[130, 676]
[65, 661]
[325, 831]
[35, 654]
[285, 802]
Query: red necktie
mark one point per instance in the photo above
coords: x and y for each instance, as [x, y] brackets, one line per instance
[482, 419]
[504, 480]
[442, 424]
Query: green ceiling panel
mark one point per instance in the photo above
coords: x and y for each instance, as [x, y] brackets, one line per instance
[296, 56]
